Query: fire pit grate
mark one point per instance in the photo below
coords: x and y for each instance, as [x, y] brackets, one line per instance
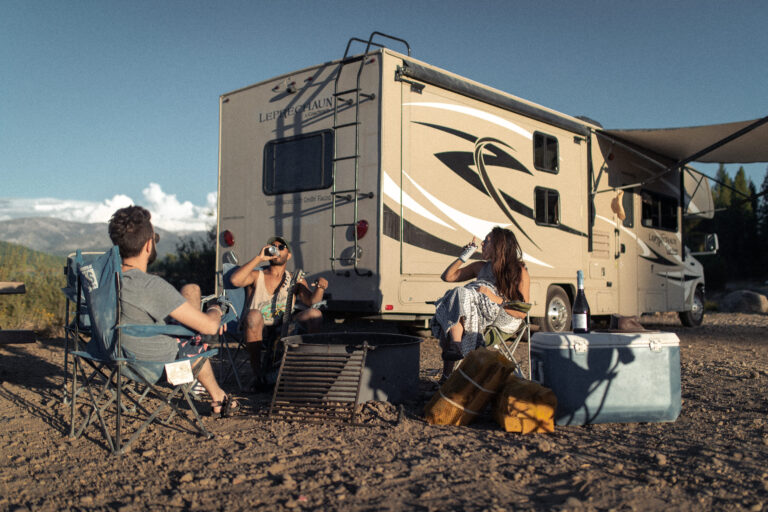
[318, 382]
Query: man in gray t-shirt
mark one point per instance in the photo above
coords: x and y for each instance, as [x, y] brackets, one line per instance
[150, 300]
[146, 299]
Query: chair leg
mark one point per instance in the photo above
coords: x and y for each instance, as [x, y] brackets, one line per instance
[95, 408]
[73, 398]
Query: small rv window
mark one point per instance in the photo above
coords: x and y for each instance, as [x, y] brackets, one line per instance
[659, 211]
[545, 152]
[627, 201]
[296, 164]
[547, 202]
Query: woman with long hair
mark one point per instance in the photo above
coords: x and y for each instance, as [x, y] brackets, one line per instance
[463, 313]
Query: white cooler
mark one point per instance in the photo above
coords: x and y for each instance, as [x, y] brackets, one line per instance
[607, 377]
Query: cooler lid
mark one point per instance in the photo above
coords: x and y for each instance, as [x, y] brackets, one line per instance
[596, 340]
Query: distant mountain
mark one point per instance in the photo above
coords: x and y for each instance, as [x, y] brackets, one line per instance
[61, 237]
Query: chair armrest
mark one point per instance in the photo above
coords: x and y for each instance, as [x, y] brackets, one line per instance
[517, 305]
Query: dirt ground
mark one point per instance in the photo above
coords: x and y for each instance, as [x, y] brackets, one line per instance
[713, 457]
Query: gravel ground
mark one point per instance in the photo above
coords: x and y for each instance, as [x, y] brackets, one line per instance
[712, 457]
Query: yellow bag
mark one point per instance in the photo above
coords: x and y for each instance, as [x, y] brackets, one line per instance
[469, 388]
[524, 406]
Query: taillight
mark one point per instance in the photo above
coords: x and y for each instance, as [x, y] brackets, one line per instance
[362, 228]
[227, 238]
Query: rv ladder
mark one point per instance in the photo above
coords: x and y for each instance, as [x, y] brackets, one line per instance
[338, 102]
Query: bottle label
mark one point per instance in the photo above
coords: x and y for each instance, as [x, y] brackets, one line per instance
[580, 321]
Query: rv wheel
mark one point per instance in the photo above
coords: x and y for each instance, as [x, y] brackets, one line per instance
[695, 316]
[558, 312]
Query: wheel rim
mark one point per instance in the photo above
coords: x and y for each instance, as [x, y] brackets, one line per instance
[697, 309]
[557, 314]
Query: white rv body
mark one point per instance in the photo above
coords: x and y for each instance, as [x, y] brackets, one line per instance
[429, 159]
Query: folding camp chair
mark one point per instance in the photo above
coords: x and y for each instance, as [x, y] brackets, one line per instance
[107, 385]
[507, 343]
[77, 325]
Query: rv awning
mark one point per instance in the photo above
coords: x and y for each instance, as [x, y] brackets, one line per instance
[681, 143]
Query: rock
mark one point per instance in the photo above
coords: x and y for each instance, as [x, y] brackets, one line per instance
[572, 502]
[661, 459]
[744, 301]
[187, 477]
[238, 479]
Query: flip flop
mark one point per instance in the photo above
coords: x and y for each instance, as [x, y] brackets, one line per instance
[229, 407]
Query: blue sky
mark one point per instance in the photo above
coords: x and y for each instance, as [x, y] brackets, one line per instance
[105, 102]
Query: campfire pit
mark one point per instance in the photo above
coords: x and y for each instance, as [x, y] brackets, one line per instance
[325, 376]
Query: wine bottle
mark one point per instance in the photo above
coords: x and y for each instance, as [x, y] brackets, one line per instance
[580, 307]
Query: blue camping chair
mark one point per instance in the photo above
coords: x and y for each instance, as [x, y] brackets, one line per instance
[108, 385]
[232, 360]
[77, 324]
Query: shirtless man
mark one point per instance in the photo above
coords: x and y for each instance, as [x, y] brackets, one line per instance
[268, 290]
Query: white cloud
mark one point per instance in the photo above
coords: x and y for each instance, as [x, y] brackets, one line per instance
[167, 211]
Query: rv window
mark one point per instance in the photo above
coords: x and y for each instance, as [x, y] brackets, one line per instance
[627, 201]
[545, 152]
[547, 202]
[296, 164]
[659, 211]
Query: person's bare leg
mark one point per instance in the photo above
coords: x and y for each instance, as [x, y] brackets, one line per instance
[455, 334]
[208, 380]
[312, 319]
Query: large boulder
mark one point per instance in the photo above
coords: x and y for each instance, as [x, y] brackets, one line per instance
[744, 301]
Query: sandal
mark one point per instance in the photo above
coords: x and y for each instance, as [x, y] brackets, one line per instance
[227, 407]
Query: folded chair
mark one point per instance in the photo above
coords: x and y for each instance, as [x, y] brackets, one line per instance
[507, 343]
[107, 387]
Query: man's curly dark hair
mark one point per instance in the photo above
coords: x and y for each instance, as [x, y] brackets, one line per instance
[129, 229]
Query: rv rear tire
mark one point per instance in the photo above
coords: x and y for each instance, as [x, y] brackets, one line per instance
[694, 317]
[557, 316]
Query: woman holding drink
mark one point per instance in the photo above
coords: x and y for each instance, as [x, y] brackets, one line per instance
[463, 313]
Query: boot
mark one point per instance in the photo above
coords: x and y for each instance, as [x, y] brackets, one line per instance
[259, 380]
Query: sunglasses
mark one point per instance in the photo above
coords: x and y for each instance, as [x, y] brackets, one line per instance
[156, 237]
[280, 247]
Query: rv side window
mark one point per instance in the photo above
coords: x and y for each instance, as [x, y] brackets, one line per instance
[545, 152]
[547, 202]
[659, 211]
[296, 164]
[628, 202]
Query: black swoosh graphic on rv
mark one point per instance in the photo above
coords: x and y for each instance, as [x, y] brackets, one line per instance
[661, 260]
[686, 277]
[452, 131]
[460, 163]
[416, 236]
[480, 164]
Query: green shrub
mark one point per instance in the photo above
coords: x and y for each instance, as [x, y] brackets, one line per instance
[41, 308]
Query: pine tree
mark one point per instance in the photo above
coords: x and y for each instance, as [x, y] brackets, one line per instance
[740, 197]
[721, 190]
[762, 222]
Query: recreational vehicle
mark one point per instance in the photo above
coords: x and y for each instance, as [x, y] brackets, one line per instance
[378, 168]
